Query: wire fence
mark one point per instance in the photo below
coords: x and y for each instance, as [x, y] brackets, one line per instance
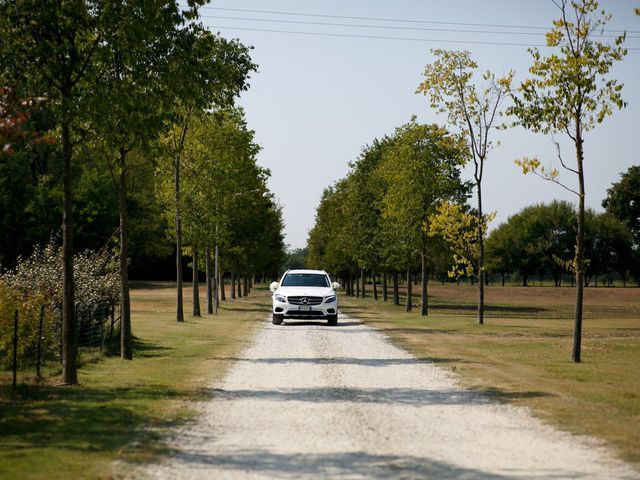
[31, 341]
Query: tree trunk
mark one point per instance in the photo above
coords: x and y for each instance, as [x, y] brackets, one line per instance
[409, 302]
[481, 272]
[216, 279]
[502, 277]
[245, 286]
[375, 286]
[385, 296]
[196, 284]
[209, 286]
[396, 290]
[233, 285]
[179, 301]
[577, 329]
[69, 330]
[126, 347]
[424, 304]
[362, 280]
[223, 295]
[239, 281]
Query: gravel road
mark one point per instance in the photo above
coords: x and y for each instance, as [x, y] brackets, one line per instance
[310, 401]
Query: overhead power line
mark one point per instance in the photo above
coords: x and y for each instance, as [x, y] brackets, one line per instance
[380, 37]
[387, 27]
[398, 20]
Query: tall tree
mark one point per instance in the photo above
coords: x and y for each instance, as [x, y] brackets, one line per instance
[537, 239]
[570, 93]
[209, 71]
[608, 246]
[623, 201]
[329, 241]
[131, 107]
[363, 207]
[475, 112]
[422, 168]
[50, 47]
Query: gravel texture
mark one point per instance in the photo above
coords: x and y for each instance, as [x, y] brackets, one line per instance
[310, 401]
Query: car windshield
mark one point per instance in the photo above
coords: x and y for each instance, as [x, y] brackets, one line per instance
[305, 280]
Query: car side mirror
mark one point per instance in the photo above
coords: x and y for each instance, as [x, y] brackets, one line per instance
[273, 287]
[336, 286]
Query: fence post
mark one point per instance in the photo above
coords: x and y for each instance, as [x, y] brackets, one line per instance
[15, 350]
[39, 350]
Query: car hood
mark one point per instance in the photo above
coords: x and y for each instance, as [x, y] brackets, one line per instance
[305, 291]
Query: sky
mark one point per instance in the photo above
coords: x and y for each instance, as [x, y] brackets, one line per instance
[317, 99]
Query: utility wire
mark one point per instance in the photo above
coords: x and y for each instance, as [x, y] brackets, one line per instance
[399, 20]
[380, 37]
[389, 27]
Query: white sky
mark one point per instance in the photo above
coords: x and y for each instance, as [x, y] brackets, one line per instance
[317, 100]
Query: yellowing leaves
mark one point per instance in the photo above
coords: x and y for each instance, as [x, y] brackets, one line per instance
[459, 229]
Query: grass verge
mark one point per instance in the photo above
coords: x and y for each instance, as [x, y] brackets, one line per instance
[121, 410]
[521, 354]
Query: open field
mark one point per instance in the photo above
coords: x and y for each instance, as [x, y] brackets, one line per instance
[121, 409]
[521, 355]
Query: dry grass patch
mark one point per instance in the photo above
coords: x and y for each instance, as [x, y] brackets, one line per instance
[521, 355]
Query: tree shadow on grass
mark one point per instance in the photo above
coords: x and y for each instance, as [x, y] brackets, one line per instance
[505, 396]
[146, 349]
[141, 348]
[489, 308]
[83, 419]
[151, 285]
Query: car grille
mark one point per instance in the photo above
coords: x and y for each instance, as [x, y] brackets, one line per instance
[301, 300]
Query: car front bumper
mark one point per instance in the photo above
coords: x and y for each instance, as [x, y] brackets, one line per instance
[288, 310]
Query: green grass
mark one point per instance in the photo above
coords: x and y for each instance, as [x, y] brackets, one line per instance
[521, 355]
[121, 410]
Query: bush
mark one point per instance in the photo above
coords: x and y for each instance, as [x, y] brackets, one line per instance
[28, 307]
[95, 273]
[36, 282]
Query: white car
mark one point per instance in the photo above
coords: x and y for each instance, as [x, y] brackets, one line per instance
[305, 294]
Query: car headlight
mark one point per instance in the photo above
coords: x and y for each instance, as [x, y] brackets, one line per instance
[330, 298]
[280, 298]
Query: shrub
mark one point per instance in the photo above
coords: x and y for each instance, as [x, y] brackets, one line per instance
[36, 282]
[28, 307]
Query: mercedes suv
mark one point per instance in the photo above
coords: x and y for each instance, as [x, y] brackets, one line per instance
[305, 294]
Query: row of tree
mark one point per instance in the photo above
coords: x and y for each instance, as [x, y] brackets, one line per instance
[378, 218]
[417, 199]
[99, 91]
